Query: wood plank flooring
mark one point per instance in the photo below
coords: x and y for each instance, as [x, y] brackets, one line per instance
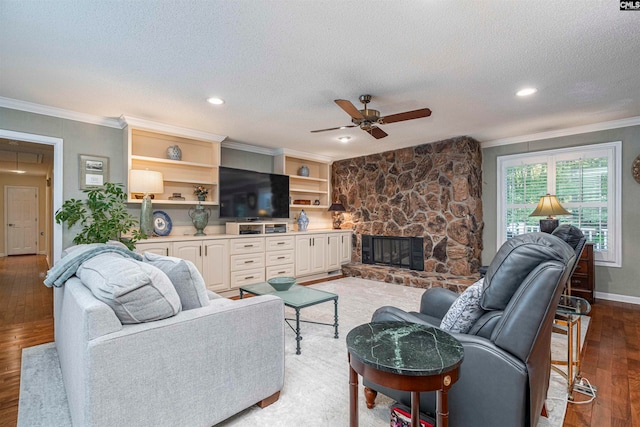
[26, 319]
[611, 360]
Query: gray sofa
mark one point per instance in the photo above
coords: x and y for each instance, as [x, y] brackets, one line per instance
[196, 368]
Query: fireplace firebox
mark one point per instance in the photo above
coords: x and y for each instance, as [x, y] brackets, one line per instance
[402, 252]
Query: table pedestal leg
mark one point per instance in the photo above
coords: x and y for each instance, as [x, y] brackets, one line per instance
[335, 317]
[353, 397]
[442, 406]
[298, 337]
[415, 408]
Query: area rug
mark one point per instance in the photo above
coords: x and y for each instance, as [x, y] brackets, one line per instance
[316, 389]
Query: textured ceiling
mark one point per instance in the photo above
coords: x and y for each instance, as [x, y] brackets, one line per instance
[280, 64]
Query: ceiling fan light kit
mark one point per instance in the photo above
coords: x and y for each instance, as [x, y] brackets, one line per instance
[368, 119]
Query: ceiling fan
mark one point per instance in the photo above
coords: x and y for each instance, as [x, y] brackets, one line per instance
[367, 119]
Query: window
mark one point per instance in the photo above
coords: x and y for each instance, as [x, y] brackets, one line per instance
[585, 179]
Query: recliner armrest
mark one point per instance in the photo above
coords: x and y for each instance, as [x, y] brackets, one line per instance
[435, 302]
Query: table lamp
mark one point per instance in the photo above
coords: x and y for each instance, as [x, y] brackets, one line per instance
[146, 182]
[549, 206]
[336, 207]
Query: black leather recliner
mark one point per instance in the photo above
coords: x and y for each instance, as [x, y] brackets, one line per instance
[504, 376]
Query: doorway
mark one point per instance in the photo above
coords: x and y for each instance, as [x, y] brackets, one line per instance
[21, 213]
[54, 231]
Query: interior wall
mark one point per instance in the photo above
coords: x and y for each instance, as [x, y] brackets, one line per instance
[612, 280]
[79, 138]
[26, 181]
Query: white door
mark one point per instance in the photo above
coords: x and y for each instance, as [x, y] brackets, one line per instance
[22, 220]
[215, 265]
[155, 248]
[345, 248]
[189, 250]
[333, 252]
[318, 254]
[303, 255]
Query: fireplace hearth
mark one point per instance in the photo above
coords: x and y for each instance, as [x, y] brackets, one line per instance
[402, 252]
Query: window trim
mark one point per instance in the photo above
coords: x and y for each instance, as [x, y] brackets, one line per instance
[614, 151]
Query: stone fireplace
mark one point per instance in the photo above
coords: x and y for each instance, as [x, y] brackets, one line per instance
[432, 191]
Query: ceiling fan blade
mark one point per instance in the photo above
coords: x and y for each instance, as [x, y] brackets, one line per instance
[376, 132]
[408, 115]
[339, 127]
[349, 108]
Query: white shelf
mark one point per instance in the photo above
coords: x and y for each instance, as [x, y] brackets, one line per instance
[171, 162]
[293, 190]
[191, 181]
[307, 178]
[309, 206]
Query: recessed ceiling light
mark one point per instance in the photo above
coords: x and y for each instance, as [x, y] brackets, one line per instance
[344, 138]
[526, 91]
[215, 101]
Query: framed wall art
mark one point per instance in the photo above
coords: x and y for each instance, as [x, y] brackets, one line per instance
[94, 171]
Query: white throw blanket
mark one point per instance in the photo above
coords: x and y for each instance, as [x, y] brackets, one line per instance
[67, 266]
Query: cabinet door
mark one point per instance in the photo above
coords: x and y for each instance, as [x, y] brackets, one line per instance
[159, 248]
[318, 254]
[303, 255]
[215, 265]
[189, 250]
[333, 252]
[345, 248]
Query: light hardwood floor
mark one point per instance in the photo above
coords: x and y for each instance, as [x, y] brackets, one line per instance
[611, 361]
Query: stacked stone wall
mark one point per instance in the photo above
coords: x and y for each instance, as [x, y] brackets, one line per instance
[431, 190]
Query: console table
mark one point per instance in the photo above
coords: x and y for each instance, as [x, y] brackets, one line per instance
[404, 356]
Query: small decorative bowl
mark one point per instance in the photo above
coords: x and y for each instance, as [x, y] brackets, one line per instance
[281, 283]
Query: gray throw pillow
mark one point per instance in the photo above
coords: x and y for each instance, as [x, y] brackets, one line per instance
[465, 310]
[137, 292]
[185, 278]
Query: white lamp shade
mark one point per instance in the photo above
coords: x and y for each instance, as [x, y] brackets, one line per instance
[145, 181]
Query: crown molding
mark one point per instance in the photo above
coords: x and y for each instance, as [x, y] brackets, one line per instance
[595, 127]
[61, 113]
[248, 147]
[169, 129]
[302, 154]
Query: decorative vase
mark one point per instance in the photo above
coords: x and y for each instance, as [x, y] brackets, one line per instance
[174, 153]
[303, 221]
[304, 171]
[201, 197]
[200, 218]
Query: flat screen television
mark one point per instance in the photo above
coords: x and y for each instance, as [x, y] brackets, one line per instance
[249, 194]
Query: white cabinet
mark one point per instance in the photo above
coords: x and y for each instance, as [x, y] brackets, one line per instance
[247, 261]
[345, 248]
[279, 256]
[159, 248]
[215, 265]
[334, 250]
[211, 258]
[310, 254]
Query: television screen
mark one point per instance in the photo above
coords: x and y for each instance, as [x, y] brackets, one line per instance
[249, 194]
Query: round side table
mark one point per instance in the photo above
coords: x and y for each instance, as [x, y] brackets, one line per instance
[404, 356]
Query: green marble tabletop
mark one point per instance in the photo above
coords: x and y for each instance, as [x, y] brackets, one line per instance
[405, 348]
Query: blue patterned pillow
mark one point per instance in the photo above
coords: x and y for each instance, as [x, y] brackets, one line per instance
[465, 310]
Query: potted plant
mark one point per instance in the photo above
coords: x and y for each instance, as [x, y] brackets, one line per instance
[103, 216]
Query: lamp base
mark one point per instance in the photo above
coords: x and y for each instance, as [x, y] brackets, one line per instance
[146, 217]
[548, 225]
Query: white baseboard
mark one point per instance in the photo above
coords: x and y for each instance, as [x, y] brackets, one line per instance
[617, 297]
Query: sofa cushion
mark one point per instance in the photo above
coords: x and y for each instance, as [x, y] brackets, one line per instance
[185, 277]
[137, 292]
[465, 310]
